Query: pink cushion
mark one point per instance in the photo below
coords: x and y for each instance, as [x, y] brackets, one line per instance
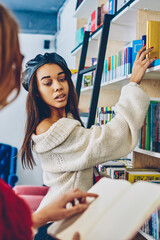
[32, 195]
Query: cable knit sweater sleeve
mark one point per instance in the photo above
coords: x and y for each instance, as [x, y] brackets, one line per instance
[67, 146]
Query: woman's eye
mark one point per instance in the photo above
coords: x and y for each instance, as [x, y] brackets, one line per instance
[47, 83]
[62, 79]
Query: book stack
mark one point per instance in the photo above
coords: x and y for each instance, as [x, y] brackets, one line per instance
[133, 175]
[150, 131]
[115, 169]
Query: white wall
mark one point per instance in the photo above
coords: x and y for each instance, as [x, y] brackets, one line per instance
[66, 36]
[12, 118]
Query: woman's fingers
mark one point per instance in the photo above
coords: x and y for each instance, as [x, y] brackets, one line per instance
[144, 53]
[76, 236]
[70, 196]
[150, 60]
[75, 209]
[140, 52]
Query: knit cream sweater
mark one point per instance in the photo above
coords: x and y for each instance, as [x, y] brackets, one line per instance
[68, 151]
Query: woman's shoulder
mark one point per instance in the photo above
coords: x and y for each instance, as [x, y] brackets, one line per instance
[43, 126]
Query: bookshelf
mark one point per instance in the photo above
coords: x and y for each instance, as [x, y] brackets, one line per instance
[128, 25]
[123, 26]
[118, 83]
[149, 153]
[146, 236]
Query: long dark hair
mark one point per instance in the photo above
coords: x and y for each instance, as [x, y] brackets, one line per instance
[37, 110]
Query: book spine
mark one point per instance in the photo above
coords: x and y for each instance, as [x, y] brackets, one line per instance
[143, 134]
[153, 38]
[147, 137]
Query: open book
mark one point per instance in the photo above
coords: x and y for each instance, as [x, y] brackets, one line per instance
[117, 214]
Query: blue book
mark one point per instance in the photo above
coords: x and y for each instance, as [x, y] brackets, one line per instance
[129, 61]
[143, 40]
[111, 6]
[136, 46]
[155, 63]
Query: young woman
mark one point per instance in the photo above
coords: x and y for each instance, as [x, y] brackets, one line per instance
[16, 221]
[67, 151]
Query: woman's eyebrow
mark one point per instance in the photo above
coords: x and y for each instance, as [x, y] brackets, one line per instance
[45, 77]
[60, 73]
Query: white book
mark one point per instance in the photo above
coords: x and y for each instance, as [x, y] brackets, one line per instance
[117, 214]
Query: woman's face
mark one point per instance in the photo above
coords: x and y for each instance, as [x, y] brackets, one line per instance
[52, 85]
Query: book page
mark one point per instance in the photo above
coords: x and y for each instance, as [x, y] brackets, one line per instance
[124, 219]
[109, 192]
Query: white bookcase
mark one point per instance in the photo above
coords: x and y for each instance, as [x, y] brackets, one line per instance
[123, 28]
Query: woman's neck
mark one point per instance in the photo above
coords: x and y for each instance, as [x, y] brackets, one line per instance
[56, 114]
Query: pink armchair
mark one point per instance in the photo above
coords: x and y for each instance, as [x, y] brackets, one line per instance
[32, 195]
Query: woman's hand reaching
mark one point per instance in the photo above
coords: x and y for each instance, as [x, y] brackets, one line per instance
[141, 64]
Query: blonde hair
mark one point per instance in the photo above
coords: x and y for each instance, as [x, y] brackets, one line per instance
[10, 56]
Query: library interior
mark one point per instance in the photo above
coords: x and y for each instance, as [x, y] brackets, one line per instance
[80, 120]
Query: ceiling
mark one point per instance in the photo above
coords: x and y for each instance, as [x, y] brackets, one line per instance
[35, 16]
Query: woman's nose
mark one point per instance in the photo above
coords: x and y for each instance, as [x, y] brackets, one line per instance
[57, 86]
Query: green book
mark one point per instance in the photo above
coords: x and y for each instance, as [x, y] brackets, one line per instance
[148, 122]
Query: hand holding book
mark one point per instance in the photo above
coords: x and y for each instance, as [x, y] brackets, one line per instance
[141, 64]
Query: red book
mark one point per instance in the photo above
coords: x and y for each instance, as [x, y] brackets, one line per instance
[143, 134]
[93, 21]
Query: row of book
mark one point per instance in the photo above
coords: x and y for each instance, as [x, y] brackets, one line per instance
[150, 131]
[111, 3]
[95, 20]
[93, 23]
[152, 227]
[128, 173]
[104, 115]
[120, 65]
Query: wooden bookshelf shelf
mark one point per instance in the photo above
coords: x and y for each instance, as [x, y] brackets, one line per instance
[149, 153]
[148, 237]
[117, 84]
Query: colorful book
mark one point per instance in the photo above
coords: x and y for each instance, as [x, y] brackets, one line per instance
[111, 7]
[134, 175]
[158, 127]
[128, 67]
[109, 69]
[136, 46]
[107, 215]
[144, 40]
[155, 63]
[93, 21]
[153, 127]
[153, 38]
[105, 69]
[148, 123]
[143, 134]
